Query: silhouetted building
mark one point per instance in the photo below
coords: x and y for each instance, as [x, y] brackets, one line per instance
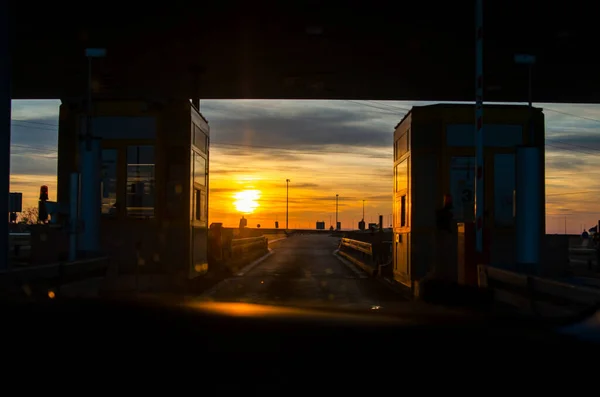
[320, 225]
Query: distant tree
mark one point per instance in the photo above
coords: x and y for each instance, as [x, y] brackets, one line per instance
[29, 216]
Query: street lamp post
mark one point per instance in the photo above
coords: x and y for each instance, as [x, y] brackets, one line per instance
[336, 211]
[363, 218]
[287, 201]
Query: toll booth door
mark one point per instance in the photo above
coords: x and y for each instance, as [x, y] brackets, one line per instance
[500, 194]
[199, 251]
[199, 213]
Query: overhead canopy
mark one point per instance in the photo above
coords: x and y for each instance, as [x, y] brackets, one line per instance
[357, 50]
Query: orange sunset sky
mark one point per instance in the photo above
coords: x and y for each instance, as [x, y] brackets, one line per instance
[325, 148]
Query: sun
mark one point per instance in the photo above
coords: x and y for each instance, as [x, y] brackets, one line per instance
[246, 201]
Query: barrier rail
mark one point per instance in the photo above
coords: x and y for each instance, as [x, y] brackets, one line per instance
[19, 245]
[369, 258]
[41, 278]
[244, 245]
[536, 295]
[242, 250]
[584, 255]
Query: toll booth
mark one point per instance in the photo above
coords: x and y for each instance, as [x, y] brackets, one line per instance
[153, 182]
[434, 157]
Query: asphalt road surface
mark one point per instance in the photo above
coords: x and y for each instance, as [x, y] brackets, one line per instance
[303, 271]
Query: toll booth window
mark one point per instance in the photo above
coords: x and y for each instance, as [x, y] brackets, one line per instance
[197, 204]
[203, 207]
[200, 207]
[200, 140]
[403, 211]
[108, 183]
[402, 176]
[199, 170]
[140, 181]
[402, 145]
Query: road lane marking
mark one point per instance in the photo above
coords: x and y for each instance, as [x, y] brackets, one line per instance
[277, 239]
[255, 263]
[359, 272]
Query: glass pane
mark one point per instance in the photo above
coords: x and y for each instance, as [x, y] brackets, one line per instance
[192, 191]
[203, 206]
[199, 139]
[403, 211]
[140, 181]
[402, 176]
[504, 185]
[197, 204]
[199, 170]
[402, 145]
[462, 187]
[108, 182]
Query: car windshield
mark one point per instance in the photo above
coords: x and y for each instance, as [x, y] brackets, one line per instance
[223, 163]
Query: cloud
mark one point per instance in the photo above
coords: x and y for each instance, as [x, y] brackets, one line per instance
[325, 147]
[25, 164]
[223, 190]
[34, 147]
[561, 161]
[301, 125]
[306, 185]
[35, 110]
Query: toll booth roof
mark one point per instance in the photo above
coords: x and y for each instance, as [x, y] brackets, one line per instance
[466, 105]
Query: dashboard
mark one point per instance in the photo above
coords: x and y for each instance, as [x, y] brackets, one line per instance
[243, 342]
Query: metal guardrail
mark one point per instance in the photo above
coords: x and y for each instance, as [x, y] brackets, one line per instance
[19, 245]
[365, 256]
[584, 255]
[537, 295]
[366, 248]
[41, 278]
[244, 246]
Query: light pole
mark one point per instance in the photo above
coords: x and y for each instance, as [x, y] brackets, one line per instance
[336, 211]
[363, 218]
[287, 202]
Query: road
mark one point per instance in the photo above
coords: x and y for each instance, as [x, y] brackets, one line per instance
[302, 271]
